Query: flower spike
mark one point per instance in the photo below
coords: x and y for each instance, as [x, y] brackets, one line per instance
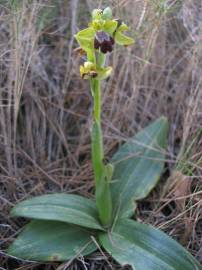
[100, 38]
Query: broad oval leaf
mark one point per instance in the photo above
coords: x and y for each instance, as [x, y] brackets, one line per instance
[138, 165]
[69, 208]
[51, 241]
[144, 247]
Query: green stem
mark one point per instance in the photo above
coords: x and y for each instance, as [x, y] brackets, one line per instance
[97, 100]
[96, 136]
[102, 189]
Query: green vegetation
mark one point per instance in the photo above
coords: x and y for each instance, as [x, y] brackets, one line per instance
[132, 173]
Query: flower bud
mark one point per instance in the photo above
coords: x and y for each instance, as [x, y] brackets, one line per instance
[103, 42]
[107, 14]
[89, 65]
[97, 14]
[88, 70]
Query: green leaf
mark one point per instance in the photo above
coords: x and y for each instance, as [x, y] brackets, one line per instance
[51, 241]
[138, 166]
[145, 248]
[61, 207]
[103, 197]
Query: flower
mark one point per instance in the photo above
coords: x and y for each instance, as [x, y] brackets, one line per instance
[102, 33]
[89, 70]
[98, 39]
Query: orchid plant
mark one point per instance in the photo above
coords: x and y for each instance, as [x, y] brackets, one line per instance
[65, 226]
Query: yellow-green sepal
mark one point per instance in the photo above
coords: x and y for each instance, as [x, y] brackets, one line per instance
[97, 25]
[103, 73]
[108, 26]
[85, 38]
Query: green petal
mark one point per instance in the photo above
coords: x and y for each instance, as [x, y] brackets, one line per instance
[110, 26]
[97, 25]
[104, 73]
[86, 33]
[123, 27]
[122, 39]
[85, 38]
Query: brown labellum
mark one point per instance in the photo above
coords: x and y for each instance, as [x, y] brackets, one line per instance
[93, 74]
[87, 75]
[103, 42]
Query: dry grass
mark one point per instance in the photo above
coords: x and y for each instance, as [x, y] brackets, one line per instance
[45, 111]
